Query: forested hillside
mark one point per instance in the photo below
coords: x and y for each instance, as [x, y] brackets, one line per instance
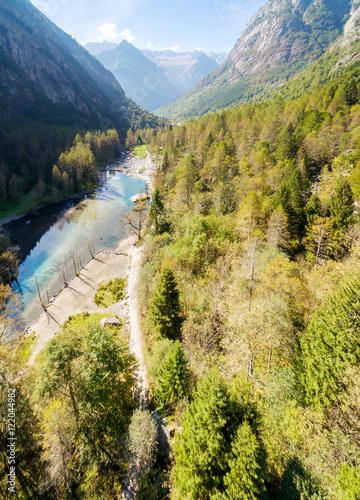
[250, 297]
[249, 294]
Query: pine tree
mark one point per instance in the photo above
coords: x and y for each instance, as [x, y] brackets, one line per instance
[202, 448]
[331, 345]
[172, 383]
[313, 208]
[288, 146]
[165, 162]
[341, 208]
[351, 92]
[291, 195]
[165, 309]
[157, 215]
[244, 480]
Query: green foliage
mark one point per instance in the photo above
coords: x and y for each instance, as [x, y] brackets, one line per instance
[27, 461]
[172, 379]
[112, 292]
[244, 481]
[331, 346]
[157, 213]
[201, 451]
[143, 440]
[141, 150]
[84, 390]
[288, 146]
[165, 308]
[297, 484]
[349, 483]
[341, 208]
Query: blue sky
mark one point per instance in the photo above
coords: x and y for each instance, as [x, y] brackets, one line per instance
[210, 25]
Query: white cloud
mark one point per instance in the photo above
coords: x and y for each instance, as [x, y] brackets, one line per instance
[174, 47]
[149, 45]
[110, 32]
[127, 35]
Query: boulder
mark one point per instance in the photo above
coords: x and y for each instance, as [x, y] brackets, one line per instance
[110, 321]
[139, 197]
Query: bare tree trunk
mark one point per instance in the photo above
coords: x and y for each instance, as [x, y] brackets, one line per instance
[39, 295]
[252, 275]
[269, 361]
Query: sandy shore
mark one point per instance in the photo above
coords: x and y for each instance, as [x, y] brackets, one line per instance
[78, 296]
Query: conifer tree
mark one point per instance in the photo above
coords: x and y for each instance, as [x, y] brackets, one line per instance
[341, 208]
[157, 215]
[244, 480]
[288, 145]
[165, 308]
[201, 449]
[331, 345]
[173, 379]
[165, 162]
[351, 92]
[313, 208]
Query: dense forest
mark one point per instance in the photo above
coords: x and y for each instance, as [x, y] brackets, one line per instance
[29, 150]
[249, 294]
[250, 297]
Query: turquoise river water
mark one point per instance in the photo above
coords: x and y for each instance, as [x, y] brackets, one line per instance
[50, 239]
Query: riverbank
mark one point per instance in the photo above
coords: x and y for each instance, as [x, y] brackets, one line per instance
[134, 166]
[128, 164]
[78, 296]
[27, 212]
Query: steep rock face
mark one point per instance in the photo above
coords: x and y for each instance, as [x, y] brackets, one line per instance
[283, 31]
[143, 81]
[47, 74]
[283, 38]
[351, 28]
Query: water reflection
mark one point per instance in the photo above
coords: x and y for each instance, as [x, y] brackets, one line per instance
[51, 240]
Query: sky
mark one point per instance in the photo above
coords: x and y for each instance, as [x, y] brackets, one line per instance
[209, 25]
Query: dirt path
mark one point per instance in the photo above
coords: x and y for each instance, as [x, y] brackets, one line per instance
[135, 330]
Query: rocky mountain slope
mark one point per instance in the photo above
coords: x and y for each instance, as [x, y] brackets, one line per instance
[47, 75]
[95, 48]
[150, 78]
[143, 81]
[283, 38]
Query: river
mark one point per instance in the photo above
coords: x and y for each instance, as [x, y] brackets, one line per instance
[48, 241]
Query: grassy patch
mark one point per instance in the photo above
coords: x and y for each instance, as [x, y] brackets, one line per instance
[140, 150]
[25, 348]
[25, 203]
[84, 321]
[109, 294]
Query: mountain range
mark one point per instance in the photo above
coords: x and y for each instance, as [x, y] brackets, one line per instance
[47, 75]
[283, 39]
[152, 79]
